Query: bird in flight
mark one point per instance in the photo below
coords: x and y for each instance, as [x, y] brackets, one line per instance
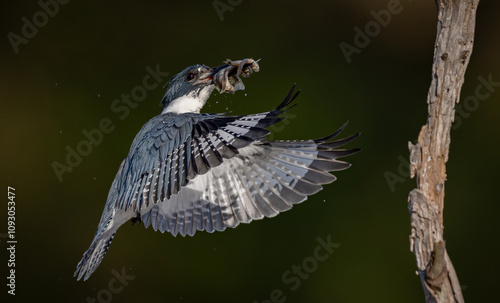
[189, 171]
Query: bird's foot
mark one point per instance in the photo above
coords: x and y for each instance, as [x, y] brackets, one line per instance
[136, 219]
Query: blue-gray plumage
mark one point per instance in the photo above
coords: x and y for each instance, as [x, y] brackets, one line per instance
[188, 171]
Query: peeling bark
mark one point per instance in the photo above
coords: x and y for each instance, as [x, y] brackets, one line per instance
[454, 41]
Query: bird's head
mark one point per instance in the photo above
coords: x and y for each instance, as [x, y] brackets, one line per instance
[189, 90]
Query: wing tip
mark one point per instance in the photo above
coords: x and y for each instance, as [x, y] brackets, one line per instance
[289, 98]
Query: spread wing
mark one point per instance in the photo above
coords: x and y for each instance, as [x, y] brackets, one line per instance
[194, 172]
[171, 150]
[262, 180]
[207, 172]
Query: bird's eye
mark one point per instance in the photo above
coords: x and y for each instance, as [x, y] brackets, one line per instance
[190, 76]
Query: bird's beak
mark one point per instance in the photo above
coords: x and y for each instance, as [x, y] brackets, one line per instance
[207, 77]
[226, 78]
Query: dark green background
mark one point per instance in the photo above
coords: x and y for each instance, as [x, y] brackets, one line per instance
[66, 77]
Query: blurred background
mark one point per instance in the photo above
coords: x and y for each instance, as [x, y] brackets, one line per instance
[60, 76]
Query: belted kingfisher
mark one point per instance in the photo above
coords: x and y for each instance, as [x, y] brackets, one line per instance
[188, 171]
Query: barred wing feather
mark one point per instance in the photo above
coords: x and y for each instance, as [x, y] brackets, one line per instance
[170, 150]
[262, 180]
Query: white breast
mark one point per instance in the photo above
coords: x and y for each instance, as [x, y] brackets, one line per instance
[190, 103]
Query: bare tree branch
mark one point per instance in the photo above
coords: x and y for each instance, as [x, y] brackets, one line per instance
[454, 41]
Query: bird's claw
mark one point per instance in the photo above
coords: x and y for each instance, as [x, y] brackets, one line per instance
[227, 79]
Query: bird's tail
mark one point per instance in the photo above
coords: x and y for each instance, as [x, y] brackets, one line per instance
[93, 256]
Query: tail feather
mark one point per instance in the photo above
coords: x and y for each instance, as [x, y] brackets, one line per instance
[93, 257]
